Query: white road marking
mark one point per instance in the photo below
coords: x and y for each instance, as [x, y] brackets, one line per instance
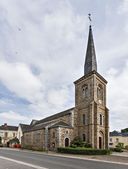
[23, 163]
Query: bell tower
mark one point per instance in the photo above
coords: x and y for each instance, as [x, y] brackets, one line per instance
[90, 101]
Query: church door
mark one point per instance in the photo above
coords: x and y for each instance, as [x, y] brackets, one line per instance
[100, 142]
[66, 142]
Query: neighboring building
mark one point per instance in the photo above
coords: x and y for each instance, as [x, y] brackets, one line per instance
[87, 120]
[22, 128]
[7, 133]
[117, 137]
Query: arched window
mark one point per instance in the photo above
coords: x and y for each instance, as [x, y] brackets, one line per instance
[85, 91]
[101, 119]
[84, 137]
[100, 92]
[83, 119]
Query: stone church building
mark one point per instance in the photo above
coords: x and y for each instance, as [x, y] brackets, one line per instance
[87, 120]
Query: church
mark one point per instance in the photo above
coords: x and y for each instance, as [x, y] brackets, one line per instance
[88, 120]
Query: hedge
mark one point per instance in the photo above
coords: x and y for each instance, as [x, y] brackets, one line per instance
[84, 151]
[116, 149]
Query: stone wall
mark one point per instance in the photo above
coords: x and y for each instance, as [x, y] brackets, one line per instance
[34, 139]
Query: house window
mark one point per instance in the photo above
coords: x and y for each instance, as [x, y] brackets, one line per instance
[6, 134]
[117, 140]
[84, 137]
[13, 134]
[111, 139]
[66, 131]
[110, 144]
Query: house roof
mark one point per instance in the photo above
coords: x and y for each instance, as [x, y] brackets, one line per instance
[118, 134]
[10, 128]
[61, 124]
[33, 122]
[25, 127]
[55, 116]
[41, 124]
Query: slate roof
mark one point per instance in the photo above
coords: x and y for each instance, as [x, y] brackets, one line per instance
[118, 134]
[61, 124]
[10, 128]
[55, 116]
[33, 122]
[37, 127]
[90, 60]
[41, 124]
[25, 127]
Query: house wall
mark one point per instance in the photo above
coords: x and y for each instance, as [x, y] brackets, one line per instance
[114, 140]
[19, 133]
[7, 135]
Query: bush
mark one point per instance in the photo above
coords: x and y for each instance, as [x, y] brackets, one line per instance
[126, 147]
[120, 145]
[77, 142]
[1, 145]
[117, 149]
[73, 145]
[83, 151]
[14, 141]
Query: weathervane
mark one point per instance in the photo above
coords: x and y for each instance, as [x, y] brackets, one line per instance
[90, 19]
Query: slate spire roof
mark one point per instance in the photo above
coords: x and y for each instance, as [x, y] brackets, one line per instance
[90, 61]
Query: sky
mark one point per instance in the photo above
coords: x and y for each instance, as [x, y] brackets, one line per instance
[42, 52]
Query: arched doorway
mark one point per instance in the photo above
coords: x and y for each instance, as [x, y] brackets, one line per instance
[101, 140]
[66, 142]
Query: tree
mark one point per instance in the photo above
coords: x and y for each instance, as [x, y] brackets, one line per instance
[14, 141]
[77, 142]
[124, 130]
[0, 140]
[120, 145]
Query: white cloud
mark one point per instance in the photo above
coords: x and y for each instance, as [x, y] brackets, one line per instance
[123, 8]
[18, 78]
[12, 117]
[117, 97]
[42, 49]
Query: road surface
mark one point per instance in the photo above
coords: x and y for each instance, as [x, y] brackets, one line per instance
[11, 159]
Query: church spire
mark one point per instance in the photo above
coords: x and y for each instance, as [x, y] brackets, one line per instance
[90, 61]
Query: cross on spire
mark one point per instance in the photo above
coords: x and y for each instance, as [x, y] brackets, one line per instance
[90, 19]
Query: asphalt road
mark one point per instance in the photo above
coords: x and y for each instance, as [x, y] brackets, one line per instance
[10, 159]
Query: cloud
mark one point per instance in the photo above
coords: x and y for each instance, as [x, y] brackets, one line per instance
[12, 117]
[39, 41]
[42, 50]
[123, 8]
[18, 78]
[117, 97]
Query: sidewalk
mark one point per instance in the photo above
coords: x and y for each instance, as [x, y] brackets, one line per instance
[115, 157]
